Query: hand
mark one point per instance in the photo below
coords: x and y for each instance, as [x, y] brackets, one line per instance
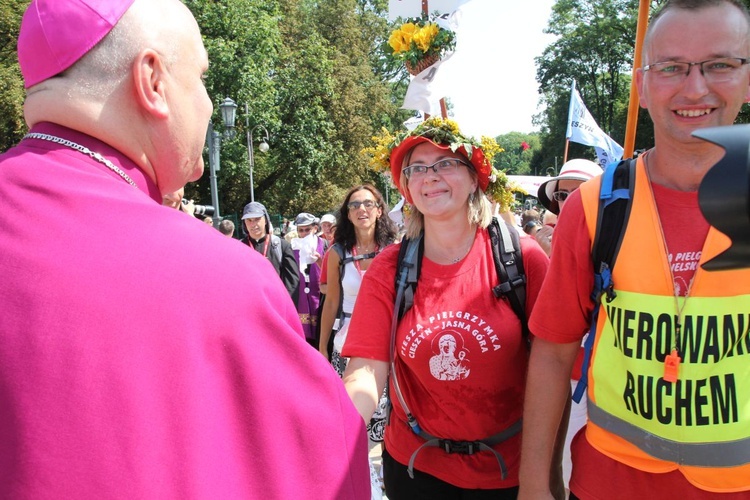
[544, 238]
[314, 257]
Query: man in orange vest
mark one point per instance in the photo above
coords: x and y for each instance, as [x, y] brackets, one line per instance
[669, 378]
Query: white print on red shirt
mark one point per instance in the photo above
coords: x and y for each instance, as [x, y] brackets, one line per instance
[447, 335]
[445, 365]
[683, 267]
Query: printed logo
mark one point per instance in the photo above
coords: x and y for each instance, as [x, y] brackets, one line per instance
[450, 361]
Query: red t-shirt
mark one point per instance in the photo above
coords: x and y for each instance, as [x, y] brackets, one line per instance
[565, 295]
[324, 268]
[461, 359]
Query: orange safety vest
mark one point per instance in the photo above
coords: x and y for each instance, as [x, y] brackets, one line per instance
[700, 424]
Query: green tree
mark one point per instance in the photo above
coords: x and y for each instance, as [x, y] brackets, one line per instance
[518, 152]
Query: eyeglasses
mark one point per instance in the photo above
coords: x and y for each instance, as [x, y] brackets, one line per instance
[718, 70]
[304, 230]
[441, 167]
[368, 204]
[560, 195]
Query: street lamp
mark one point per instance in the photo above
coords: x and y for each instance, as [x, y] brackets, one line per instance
[263, 147]
[213, 141]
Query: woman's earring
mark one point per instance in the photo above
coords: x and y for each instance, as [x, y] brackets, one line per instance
[471, 198]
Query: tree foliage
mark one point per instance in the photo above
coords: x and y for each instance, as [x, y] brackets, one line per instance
[519, 149]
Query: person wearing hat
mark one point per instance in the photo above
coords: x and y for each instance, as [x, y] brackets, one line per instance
[259, 235]
[460, 353]
[328, 227]
[554, 192]
[308, 250]
[119, 379]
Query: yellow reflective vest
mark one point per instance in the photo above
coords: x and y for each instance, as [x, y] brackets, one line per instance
[699, 424]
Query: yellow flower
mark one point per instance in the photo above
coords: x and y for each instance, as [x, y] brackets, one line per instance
[396, 41]
[400, 39]
[424, 36]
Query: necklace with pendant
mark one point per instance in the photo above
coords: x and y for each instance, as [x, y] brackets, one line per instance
[83, 149]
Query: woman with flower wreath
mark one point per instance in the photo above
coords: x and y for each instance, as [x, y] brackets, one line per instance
[460, 357]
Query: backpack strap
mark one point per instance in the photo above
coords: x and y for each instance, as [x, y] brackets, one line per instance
[615, 203]
[343, 261]
[506, 252]
[407, 272]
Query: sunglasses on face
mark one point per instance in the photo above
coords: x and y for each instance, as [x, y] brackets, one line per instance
[368, 204]
[560, 195]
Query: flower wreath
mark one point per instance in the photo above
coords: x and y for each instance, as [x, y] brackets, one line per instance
[388, 151]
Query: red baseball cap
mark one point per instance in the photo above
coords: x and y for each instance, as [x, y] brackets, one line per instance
[55, 34]
[477, 160]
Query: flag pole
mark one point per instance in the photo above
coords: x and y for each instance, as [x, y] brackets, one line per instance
[632, 123]
[567, 129]
[443, 107]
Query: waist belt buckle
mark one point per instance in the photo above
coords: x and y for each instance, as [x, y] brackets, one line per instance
[462, 447]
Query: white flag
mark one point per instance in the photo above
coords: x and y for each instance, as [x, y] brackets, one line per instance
[426, 89]
[582, 128]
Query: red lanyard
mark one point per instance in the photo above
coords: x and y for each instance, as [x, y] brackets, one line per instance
[356, 261]
[265, 246]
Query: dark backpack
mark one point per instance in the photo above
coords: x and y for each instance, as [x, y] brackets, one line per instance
[615, 202]
[343, 261]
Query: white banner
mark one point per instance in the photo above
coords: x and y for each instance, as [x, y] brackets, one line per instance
[413, 8]
[582, 128]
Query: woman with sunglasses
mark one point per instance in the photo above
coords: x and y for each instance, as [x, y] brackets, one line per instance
[460, 356]
[362, 232]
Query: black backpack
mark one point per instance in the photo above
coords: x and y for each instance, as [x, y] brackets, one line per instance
[615, 202]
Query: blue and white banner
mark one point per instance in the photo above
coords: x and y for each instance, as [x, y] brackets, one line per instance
[582, 128]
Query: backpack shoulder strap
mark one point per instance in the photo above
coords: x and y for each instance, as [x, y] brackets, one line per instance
[615, 202]
[506, 252]
[408, 267]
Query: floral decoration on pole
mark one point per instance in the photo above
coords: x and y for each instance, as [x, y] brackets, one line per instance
[419, 43]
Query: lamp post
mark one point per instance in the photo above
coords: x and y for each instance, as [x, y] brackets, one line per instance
[229, 115]
[263, 147]
[213, 141]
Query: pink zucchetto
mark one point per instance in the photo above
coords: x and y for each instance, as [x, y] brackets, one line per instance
[55, 34]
